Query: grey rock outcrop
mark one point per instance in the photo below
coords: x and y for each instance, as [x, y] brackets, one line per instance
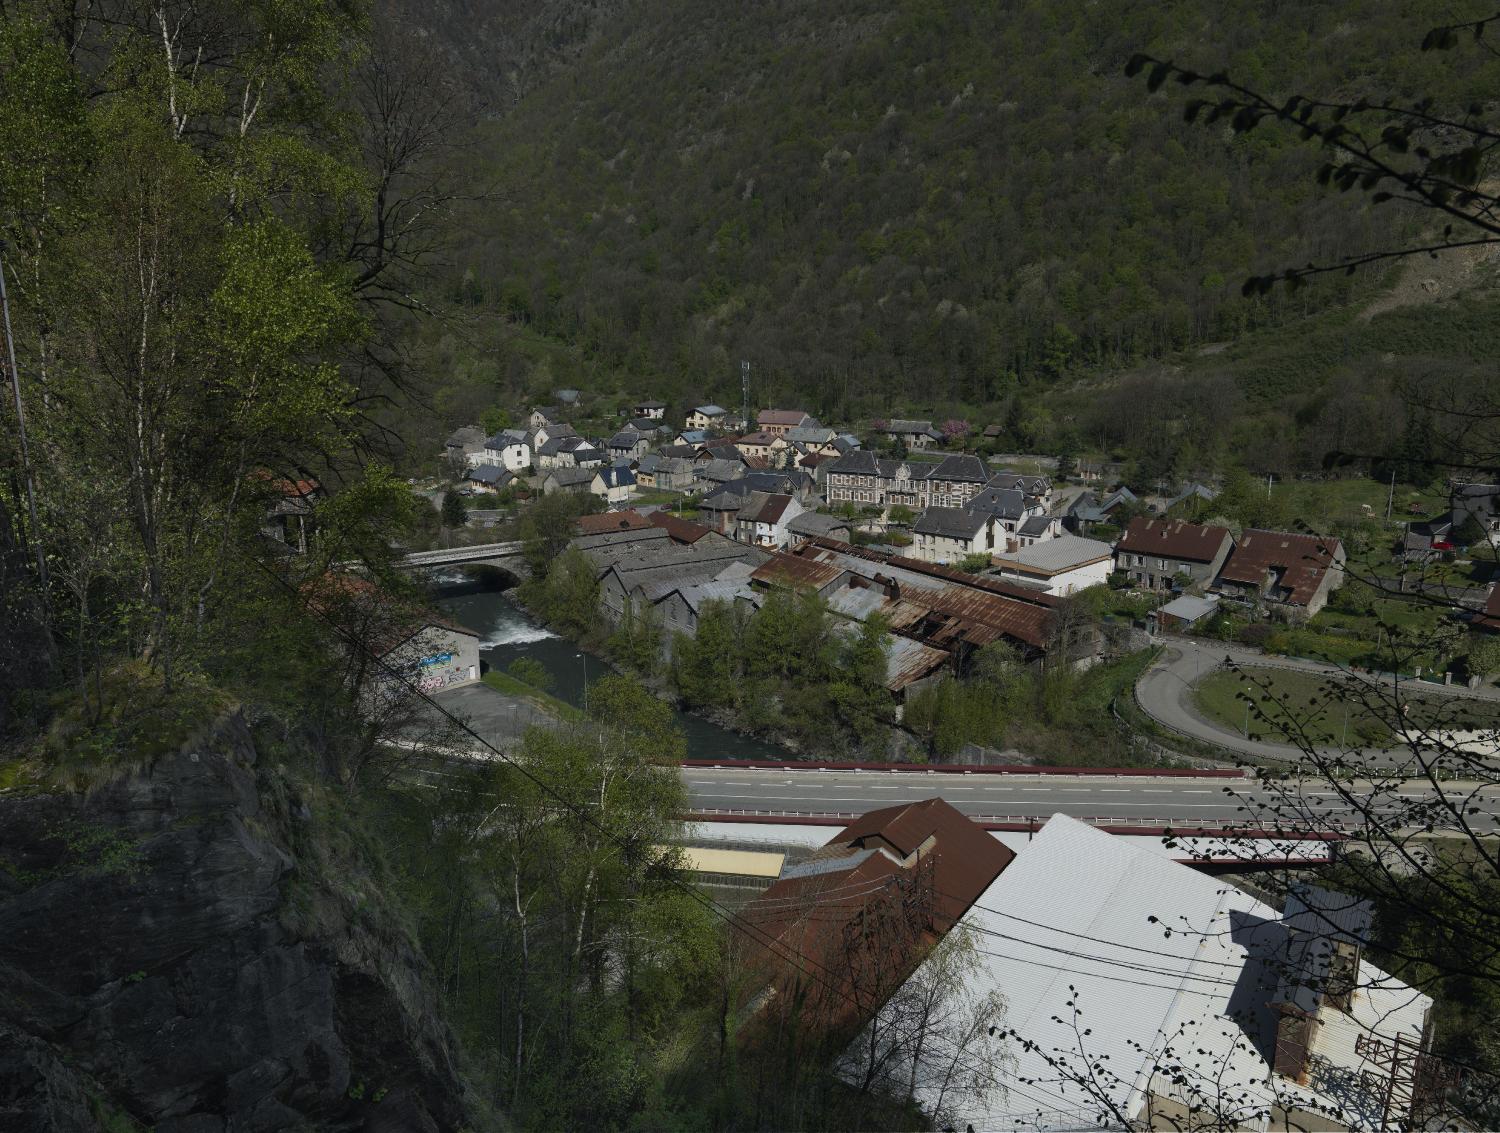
[158, 960]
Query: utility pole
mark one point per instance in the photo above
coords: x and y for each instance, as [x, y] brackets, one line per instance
[1390, 500]
[1268, 484]
[15, 387]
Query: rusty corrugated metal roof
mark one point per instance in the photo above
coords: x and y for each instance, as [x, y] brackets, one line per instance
[789, 570]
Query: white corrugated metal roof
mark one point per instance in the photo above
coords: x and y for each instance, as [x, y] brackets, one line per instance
[1190, 608]
[1053, 555]
[1114, 961]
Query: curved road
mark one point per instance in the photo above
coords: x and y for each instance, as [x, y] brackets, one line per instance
[1164, 692]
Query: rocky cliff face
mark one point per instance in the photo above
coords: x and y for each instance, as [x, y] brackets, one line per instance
[172, 950]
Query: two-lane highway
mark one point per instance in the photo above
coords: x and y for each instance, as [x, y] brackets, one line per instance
[1107, 799]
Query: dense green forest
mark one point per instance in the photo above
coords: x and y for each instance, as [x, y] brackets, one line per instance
[924, 205]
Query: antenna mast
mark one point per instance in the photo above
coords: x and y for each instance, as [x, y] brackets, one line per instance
[745, 392]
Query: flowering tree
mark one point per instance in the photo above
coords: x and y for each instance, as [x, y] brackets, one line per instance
[954, 429]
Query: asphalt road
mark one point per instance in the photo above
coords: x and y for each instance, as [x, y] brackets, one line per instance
[1164, 693]
[1123, 800]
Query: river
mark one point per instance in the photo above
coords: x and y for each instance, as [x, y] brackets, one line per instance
[506, 632]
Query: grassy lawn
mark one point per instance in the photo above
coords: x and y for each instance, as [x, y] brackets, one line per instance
[503, 682]
[1291, 698]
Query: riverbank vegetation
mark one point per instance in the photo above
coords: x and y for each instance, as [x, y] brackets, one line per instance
[1053, 713]
[790, 668]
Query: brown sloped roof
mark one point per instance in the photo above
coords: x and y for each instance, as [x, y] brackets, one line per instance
[1302, 560]
[631, 520]
[780, 417]
[681, 530]
[842, 931]
[1172, 539]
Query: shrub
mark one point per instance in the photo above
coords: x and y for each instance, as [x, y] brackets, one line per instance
[530, 671]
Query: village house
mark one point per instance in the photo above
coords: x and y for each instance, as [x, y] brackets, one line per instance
[815, 525]
[569, 451]
[1090, 509]
[539, 435]
[674, 474]
[863, 479]
[763, 520]
[489, 478]
[645, 471]
[1011, 509]
[720, 509]
[1061, 566]
[763, 445]
[1169, 554]
[813, 438]
[544, 415]
[1034, 488]
[568, 397]
[648, 427]
[778, 421]
[614, 482]
[912, 434]
[461, 444]
[951, 534]
[953, 482]
[509, 449]
[568, 480]
[860, 478]
[654, 410]
[706, 417]
[1290, 575]
[627, 444]
[693, 437]
[1036, 529]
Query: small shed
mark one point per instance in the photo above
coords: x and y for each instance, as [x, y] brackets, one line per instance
[1182, 614]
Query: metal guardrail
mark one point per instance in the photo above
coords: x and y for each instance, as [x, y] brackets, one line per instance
[968, 769]
[1223, 827]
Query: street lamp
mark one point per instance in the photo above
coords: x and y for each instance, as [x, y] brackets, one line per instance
[1247, 712]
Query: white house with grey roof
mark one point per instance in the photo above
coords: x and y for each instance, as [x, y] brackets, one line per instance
[508, 449]
[1060, 566]
[706, 417]
[949, 534]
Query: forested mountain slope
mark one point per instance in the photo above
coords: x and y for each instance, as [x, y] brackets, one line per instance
[868, 198]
